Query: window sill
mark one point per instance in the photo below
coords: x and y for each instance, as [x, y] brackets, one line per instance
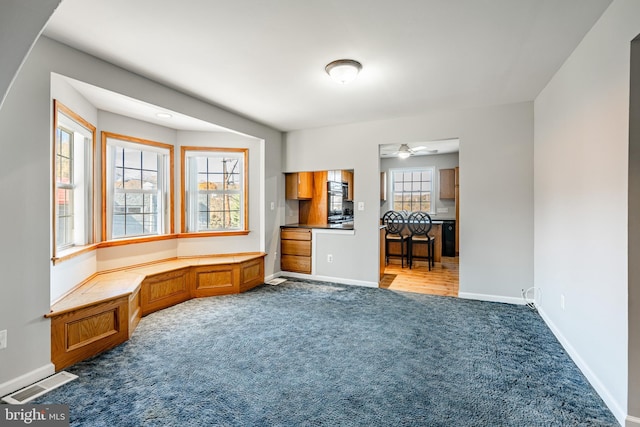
[72, 253]
[78, 250]
[214, 234]
[131, 240]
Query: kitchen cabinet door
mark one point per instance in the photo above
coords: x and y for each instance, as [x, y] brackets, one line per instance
[347, 176]
[447, 184]
[383, 186]
[299, 185]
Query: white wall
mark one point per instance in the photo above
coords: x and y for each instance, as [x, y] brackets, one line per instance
[437, 161]
[496, 202]
[25, 174]
[634, 235]
[21, 22]
[581, 162]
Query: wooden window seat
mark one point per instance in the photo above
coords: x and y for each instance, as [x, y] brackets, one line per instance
[104, 310]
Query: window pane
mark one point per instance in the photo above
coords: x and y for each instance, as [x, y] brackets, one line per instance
[134, 202]
[64, 171]
[150, 160]
[150, 224]
[149, 180]
[133, 225]
[132, 179]
[132, 158]
[118, 154]
[150, 203]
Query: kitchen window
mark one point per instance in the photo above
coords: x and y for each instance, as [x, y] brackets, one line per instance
[411, 189]
[214, 187]
[73, 175]
[137, 187]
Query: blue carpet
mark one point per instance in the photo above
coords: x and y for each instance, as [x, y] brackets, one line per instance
[321, 354]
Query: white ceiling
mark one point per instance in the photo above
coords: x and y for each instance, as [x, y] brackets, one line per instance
[265, 59]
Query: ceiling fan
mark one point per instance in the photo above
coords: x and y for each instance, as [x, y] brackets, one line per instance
[405, 151]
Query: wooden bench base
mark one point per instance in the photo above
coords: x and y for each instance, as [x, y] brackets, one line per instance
[103, 311]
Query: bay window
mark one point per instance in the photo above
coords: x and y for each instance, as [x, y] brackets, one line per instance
[73, 180]
[137, 184]
[214, 188]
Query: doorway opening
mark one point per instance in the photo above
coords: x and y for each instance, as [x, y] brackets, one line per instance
[424, 177]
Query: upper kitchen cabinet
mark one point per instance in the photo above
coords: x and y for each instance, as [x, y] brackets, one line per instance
[447, 184]
[299, 185]
[347, 177]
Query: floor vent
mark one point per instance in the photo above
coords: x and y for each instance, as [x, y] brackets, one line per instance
[38, 389]
[276, 281]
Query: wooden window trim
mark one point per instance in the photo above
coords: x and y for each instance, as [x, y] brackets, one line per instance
[60, 107]
[183, 182]
[141, 141]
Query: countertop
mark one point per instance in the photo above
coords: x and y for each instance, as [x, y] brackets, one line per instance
[343, 226]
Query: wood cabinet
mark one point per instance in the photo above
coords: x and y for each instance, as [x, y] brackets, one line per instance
[447, 183]
[299, 185]
[347, 176]
[295, 250]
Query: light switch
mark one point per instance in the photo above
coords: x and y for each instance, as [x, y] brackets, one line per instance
[360, 206]
[273, 205]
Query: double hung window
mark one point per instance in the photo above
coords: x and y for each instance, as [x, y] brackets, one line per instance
[137, 187]
[215, 189]
[412, 189]
[73, 179]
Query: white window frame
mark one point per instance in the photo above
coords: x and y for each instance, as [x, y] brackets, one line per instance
[163, 192]
[81, 184]
[431, 190]
[190, 190]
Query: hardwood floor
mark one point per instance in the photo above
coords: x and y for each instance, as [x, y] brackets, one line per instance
[441, 280]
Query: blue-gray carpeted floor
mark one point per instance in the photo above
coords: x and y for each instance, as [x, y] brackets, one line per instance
[319, 354]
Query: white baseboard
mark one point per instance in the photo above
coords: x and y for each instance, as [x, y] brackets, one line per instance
[329, 279]
[27, 379]
[491, 298]
[632, 421]
[593, 379]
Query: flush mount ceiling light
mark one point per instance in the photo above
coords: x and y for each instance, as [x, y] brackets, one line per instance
[343, 70]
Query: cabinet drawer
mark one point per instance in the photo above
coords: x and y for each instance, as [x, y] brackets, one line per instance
[299, 264]
[296, 247]
[295, 234]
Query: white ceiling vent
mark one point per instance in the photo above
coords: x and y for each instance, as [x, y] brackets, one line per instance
[38, 389]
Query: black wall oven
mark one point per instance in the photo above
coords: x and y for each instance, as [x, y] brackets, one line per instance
[337, 209]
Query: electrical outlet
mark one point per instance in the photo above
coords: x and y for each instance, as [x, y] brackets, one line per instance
[360, 206]
[329, 258]
[562, 301]
[3, 339]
